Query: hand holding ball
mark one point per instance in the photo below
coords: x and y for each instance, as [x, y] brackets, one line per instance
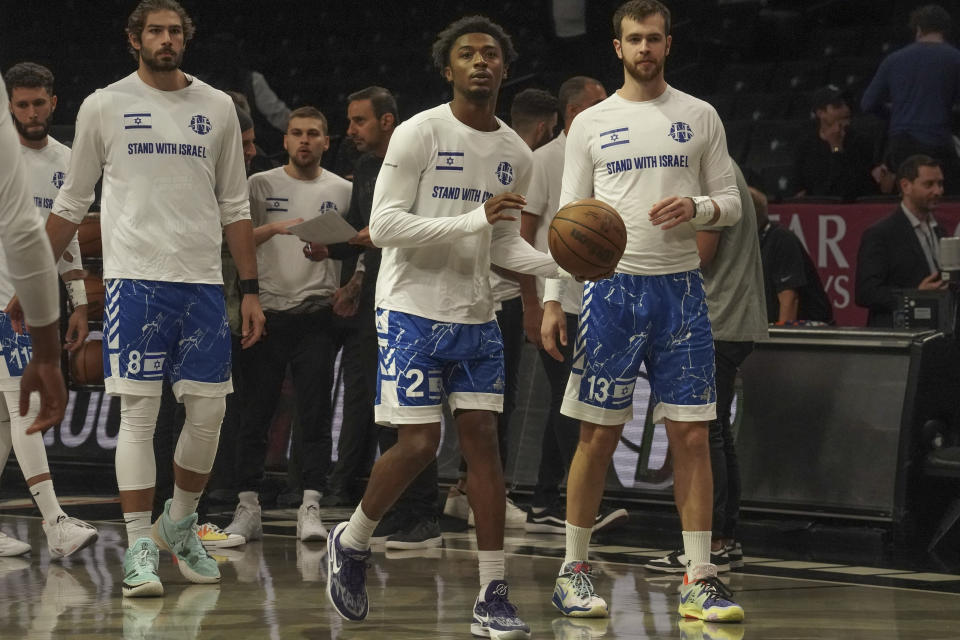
[587, 238]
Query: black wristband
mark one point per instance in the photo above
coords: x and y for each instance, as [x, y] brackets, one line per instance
[250, 286]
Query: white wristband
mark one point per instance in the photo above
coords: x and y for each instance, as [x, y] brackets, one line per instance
[702, 207]
[77, 292]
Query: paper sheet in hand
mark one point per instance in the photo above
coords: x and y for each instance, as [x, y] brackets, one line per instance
[327, 228]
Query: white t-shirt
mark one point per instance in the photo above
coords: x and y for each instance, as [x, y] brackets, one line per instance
[45, 170]
[543, 200]
[428, 213]
[634, 154]
[287, 278]
[173, 175]
[26, 262]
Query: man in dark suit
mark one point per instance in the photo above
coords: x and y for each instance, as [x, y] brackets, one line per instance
[902, 250]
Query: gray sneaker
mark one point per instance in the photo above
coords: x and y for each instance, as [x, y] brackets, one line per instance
[423, 534]
[246, 522]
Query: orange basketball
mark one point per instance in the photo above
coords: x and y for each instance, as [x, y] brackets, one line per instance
[88, 235]
[95, 296]
[86, 364]
[587, 238]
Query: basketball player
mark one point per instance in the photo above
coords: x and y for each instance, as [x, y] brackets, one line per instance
[533, 116]
[646, 151]
[297, 296]
[450, 176]
[31, 275]
[560, 432]
[30, 90]
[169, 148]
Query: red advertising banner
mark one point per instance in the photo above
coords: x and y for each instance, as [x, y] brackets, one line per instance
[831, 233]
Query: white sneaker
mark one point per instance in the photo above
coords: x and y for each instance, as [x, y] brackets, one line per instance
[457, 505]
[10, 547]
[68, 535]
[515, 517]
[574, 594]
[246, 522]
[309, 525]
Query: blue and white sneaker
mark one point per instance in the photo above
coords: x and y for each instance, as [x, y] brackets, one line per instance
[495, 617]
[574, 595]
[140, 565]
[181, 539]
[346, 577]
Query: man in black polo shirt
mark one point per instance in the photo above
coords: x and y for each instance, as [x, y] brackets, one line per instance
[792, 285]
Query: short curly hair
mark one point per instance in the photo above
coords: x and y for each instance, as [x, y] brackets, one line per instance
[138, 20]
[471, 24]
[28, 75]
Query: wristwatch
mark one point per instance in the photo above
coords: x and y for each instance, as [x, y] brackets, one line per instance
[251, 285]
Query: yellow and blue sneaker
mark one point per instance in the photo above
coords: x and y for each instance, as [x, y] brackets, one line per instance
[706, 598]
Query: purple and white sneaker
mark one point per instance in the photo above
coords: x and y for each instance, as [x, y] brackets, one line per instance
[346, 577]
[496, 617]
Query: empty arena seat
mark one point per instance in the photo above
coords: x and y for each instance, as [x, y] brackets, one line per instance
[738, 138]
[838, 41]
[744, 78]
[724, 103]
[778, 181]
[762, 106]
[772, 142]
[799, 75]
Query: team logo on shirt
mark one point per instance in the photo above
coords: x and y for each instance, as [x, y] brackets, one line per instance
[200, 124]
[276, 204]
[137, 121]
[450, 161]
[613, 137]
[504, 173]
[57, 179]
[681, 131]
[328, 206]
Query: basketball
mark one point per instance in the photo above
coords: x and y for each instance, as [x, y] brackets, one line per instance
[86, 364]
[88, 235]
[95, 296]
[587, 238]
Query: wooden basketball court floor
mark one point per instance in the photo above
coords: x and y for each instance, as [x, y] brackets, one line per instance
[275, 588]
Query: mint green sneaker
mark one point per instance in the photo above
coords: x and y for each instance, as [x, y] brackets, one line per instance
[140, 564]
[181, 539]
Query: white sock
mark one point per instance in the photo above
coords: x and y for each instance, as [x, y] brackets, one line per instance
[138, 525]
[312, 497]
[46, 500]
[184, 503]
[249, 498]
[578, 543]
[696, 546]
[358, 531]
[491, 565]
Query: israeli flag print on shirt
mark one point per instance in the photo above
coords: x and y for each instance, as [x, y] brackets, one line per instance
[450, 161]
[613, 137]
[137, 121]
[276, 204]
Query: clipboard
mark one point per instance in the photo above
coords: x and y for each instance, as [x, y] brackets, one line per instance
[327, 228]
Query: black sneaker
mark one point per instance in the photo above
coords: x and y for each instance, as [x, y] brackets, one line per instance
[608, 519]
[394, 522]
[423, 534]
[676, 562]
[546, 520]
[735, 553]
